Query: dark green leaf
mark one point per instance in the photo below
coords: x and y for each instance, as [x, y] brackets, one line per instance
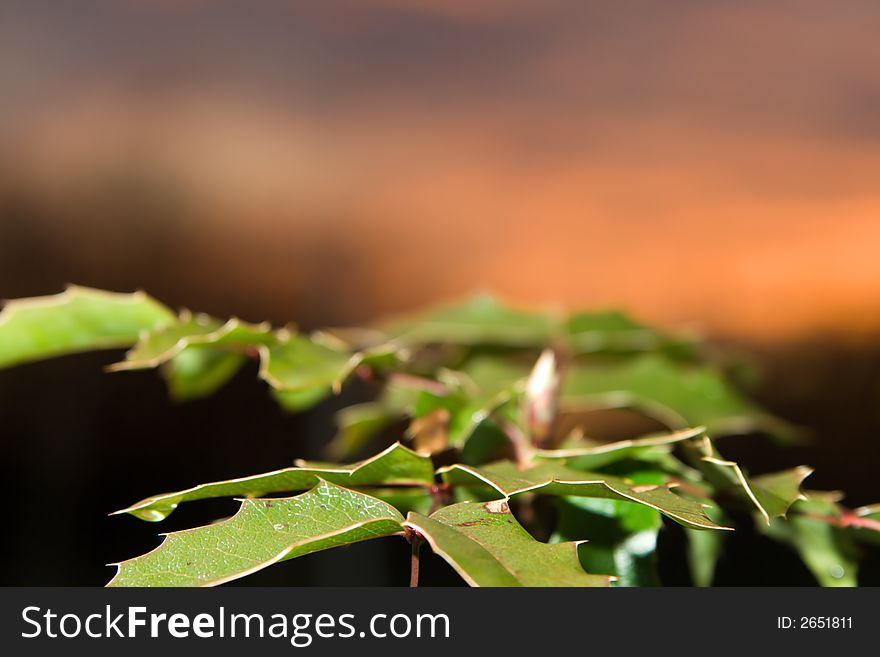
[771, 494]
[622, 536]
[704, 550]
[826, 549]
[358, 425]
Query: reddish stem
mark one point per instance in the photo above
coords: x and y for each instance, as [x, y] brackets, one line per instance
[847, 519]
[415, 541]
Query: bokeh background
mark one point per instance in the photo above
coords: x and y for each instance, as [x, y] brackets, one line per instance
[706, 165]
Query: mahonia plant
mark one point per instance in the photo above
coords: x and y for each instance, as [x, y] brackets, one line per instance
[481, 389]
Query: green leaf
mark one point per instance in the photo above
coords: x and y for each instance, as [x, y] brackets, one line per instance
[397, 465]
[404, 499]
[592, 456]
[386, 356]
[479, 320]
[261, 533]
[613, 332]
[704, 550]
[483, 387]
[467, 418]
[676, 394]
[777, 491]
[358, 425]
[770, 494]
[296, 401]
[78, 319]
[486, 545]
[198, 354]
[196, 373]
[201, 353]
[487, 376]
[487, 443]
[303, 371]
[483, 320]
[826, 549]
[622, 535]
[508, 479]
[301, 364]
[159, 346]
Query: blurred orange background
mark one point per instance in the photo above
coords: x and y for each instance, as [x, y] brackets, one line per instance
[708, 164]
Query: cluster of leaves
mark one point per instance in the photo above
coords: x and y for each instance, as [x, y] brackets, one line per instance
[481, 388]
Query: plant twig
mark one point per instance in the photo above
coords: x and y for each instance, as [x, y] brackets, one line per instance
[415, 541]
[848, 519]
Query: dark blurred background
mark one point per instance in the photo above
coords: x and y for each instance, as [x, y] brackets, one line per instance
[710, 166]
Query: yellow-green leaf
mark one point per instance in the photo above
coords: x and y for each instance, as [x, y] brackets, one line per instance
[261, 533]
[613, 331]
[478, 320]
[397, 465]
[508, 479]
[301, 364]
[677, 394]
[78, 319]
[159, 346]
[303, 371]
[591, 456]
[486, 545]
